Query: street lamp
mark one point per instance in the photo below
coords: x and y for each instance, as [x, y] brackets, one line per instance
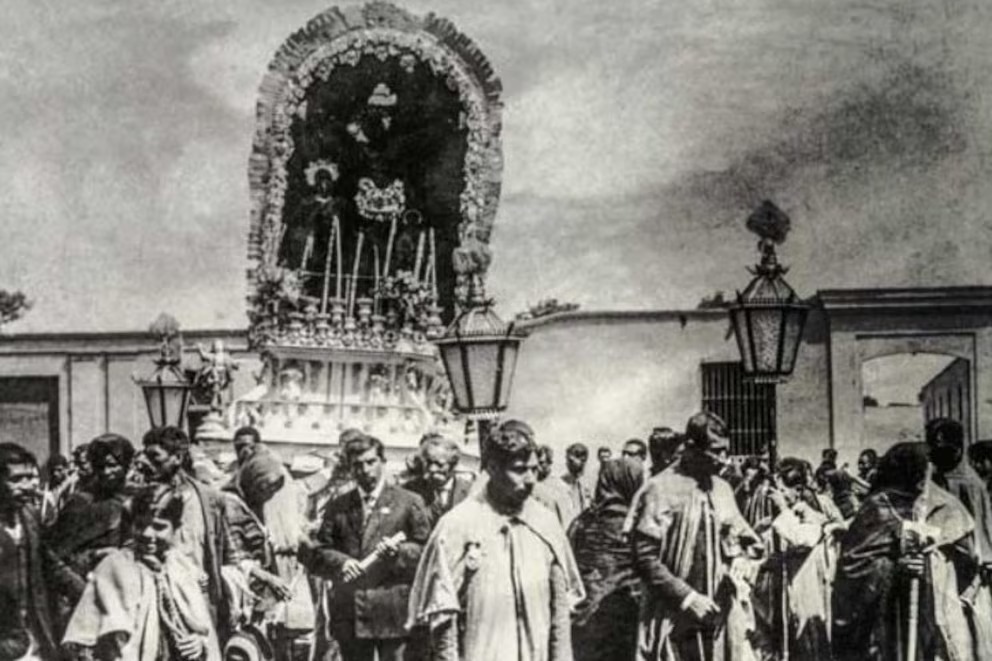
[479, 352]
[768, 317]
[167, 390]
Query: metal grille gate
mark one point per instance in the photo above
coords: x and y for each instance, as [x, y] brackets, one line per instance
[747, 408]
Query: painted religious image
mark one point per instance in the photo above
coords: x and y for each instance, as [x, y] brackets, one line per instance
[376, 173]
[373, 186]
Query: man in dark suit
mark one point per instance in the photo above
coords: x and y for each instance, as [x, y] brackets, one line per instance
[368, 605]
[29, 572]
[438, 484]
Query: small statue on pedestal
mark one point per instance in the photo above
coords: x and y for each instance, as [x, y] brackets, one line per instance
[215, 375]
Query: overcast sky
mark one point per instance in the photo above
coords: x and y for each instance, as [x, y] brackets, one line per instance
[638, 134]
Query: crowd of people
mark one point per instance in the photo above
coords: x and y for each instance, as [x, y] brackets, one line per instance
[680, 553]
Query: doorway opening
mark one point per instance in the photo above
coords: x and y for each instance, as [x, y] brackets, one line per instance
[901, 392]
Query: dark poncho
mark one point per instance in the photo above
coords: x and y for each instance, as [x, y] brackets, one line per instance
[607, 620]
[871, 595]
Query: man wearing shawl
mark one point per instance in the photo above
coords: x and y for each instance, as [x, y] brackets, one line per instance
[203, 533]
[144, 602]
[690, 542]
[905, 529]
[792, 591]
[606, 622]
[952, 471]
[497, 579]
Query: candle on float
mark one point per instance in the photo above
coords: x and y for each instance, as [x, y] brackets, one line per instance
[340, 259]
[375, 289]
[420, 257]
[327, 269]
[389, 246]
[354, 275]
[307, 252]
[433, 266]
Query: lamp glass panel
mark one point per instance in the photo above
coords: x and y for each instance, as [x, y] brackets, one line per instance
[483, 365]
[175, 404]
[510, 351]
[742, 332]
[153, 399]
[451, 355]
[766, 331]
[795, 319]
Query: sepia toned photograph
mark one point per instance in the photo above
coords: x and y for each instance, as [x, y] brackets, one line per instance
[427, 330]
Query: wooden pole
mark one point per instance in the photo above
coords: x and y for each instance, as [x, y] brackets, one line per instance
[785, 600]
[912, 631]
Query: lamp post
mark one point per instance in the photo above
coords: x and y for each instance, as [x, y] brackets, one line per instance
[768, 317]
[479, 352]
[167, 390]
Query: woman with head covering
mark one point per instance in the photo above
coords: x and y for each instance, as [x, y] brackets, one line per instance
[263, 509]
[606, 621]
[907, 528]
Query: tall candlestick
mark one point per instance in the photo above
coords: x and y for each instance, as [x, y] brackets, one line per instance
[307, 252]
[354, 275]
[375, 289]
[327, 269]
[340, 259]
[389, 246]
[420, 257]
[433, 266]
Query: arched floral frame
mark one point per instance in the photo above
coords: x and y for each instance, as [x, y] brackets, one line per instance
[340, 38]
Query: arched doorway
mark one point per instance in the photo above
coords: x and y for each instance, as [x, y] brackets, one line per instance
[901, 391]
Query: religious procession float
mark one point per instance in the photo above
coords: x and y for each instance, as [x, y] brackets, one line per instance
[374, 179]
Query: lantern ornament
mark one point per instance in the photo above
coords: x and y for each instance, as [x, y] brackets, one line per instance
[167, 390]
[768, 317]
[479, 352]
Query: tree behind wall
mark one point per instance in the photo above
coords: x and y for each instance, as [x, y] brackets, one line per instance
[13, 305]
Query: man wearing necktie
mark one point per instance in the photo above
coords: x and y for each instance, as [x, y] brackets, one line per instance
[367, 606]
[438, 483]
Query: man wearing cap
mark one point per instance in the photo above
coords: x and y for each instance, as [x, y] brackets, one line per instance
[691, 548]
[497, 579]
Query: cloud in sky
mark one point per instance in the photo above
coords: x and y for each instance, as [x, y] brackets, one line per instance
[637, 135]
